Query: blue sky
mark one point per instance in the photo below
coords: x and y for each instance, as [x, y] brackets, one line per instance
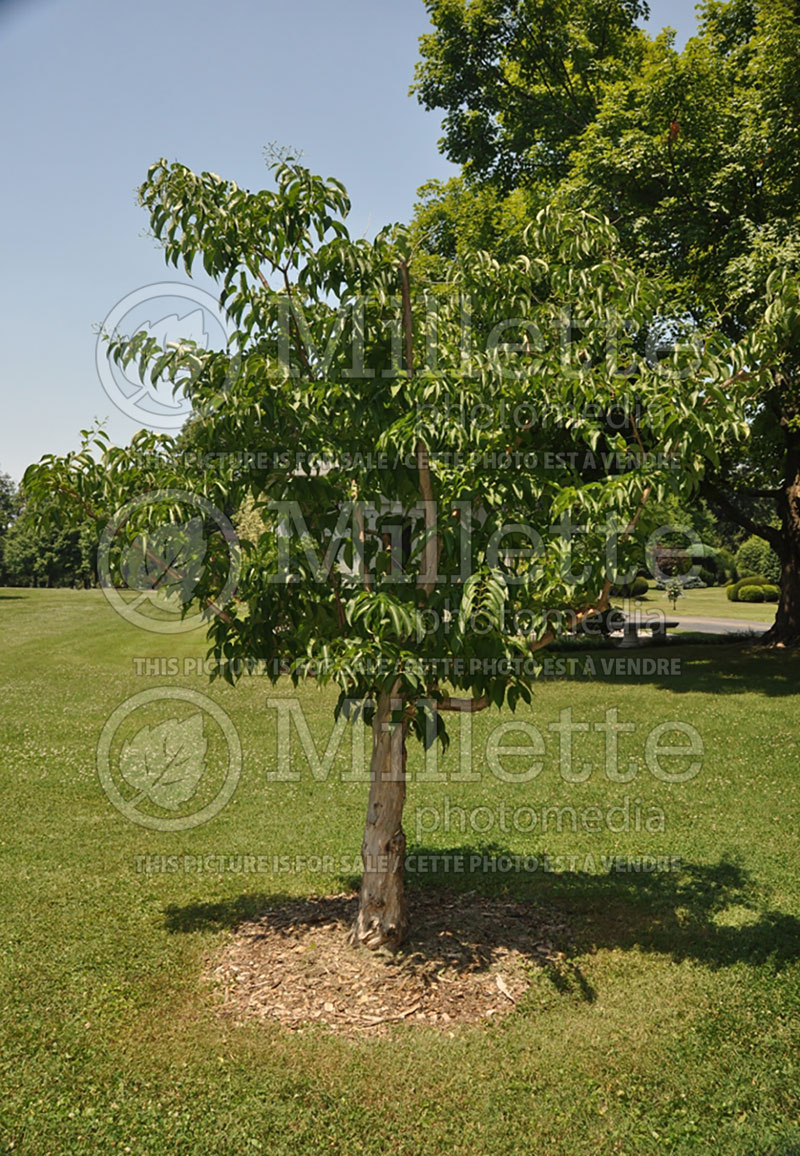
[93, 92]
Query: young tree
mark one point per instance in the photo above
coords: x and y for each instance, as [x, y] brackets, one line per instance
[692, 154]
[428, 449]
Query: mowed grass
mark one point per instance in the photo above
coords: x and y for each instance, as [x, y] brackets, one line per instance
[709, 603]
[673, 1026]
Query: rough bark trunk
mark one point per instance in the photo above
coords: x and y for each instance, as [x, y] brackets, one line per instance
[382, 919]
[785, 631]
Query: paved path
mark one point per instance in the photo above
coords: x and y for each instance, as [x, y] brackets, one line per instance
[719, 625]
[678, 621]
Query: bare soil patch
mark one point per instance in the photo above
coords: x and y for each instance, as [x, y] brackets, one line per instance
[468, 959]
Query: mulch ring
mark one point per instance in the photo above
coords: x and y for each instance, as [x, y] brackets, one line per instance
[467, 959]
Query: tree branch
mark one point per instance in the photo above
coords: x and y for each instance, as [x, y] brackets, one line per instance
[715, 495]
[340, 615]
[299, 343]
[427, 579]
[467, 705]
[74, 494]
[600, 605]
[358, 514]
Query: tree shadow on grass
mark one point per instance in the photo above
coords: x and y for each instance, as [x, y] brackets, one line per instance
[707, 913]
[224, 915]
[474, 903]
[710, 913]
[718, 669]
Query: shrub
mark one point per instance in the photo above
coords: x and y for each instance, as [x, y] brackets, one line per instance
[751, 594]
[756, 580]
[755, 556]
[708, 576]
[633, 589]
[771, 593]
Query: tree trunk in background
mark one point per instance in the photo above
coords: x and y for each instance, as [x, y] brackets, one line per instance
[785, 631]
[382, 919]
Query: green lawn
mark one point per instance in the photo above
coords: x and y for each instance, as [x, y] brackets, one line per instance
[709, 603]
[673, 1027]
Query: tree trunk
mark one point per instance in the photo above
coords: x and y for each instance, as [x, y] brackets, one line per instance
[785, 631]
[382, 919]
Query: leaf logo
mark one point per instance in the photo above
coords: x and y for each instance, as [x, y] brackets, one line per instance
[168, 562]
[165, 763]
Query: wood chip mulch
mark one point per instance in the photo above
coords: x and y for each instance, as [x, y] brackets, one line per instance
[467, 959]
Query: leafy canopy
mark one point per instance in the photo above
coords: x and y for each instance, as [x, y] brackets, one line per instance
[429, 446]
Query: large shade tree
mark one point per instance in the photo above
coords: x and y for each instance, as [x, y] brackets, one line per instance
[693, 154]
[520, 80]
[390, 419]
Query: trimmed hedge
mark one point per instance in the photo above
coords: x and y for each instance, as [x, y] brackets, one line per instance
[771, 593]
[732, 591]
[751, 594]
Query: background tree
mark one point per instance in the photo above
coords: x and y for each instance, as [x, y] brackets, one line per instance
[420, 548]
[39, 550]
[8, 506]
[692, 154]
[754, 556]
[520, 80]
